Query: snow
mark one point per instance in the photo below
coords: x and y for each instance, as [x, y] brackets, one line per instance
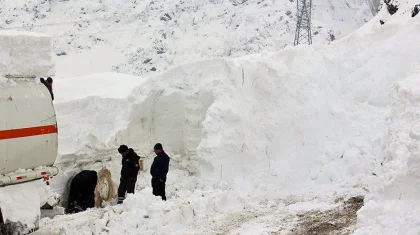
[98, 59]
[25, 53]
[31, 196]
[111, 85]
[17, 34]
[391, 205]
[134, 37]
[3, 80]
[300, 127]
[255, 141]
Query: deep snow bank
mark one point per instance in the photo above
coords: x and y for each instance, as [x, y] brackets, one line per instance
[391, 206]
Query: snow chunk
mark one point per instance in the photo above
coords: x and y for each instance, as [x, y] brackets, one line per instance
[25, 53]
[21, 203]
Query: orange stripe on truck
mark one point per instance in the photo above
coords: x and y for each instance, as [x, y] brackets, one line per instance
[27, 132]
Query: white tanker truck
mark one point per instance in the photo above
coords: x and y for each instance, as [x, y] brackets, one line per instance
[28, 128]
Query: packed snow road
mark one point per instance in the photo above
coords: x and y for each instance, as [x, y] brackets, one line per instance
[284, 216]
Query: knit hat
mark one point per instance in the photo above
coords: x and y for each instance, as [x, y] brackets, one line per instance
[158, 146]
[122, 148]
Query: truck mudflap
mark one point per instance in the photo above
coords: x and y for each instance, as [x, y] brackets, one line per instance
[22, 177]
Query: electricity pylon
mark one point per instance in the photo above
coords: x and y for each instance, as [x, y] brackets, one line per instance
[303, 33]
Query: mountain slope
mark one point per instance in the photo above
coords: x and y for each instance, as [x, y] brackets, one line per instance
[138, 36]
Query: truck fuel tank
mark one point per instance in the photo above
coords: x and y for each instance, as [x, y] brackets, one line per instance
[28, 126]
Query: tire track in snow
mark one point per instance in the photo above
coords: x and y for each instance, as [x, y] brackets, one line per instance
[292, 219]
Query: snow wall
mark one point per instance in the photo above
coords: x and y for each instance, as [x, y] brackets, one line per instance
[301, 115]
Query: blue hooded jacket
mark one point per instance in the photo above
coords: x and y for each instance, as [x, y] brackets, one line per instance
[160, 166]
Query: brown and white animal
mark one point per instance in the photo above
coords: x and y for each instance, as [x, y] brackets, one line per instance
[105, 189]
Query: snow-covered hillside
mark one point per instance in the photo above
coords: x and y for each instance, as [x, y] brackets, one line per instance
[142, 36]
[258, 141]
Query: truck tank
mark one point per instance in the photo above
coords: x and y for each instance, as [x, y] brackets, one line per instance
[28, 129]
[28, 126]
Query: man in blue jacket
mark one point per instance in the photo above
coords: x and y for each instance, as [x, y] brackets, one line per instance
[159, 170]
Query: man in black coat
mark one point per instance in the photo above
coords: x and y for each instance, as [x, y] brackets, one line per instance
[159, 170]
[129, 171]
[82, 191]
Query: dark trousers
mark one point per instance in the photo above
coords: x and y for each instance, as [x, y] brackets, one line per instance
[126, 185]
[159, 188]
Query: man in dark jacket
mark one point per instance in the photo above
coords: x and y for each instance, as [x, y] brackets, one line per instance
[48, 83]
[129, 171]
[159, 170]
